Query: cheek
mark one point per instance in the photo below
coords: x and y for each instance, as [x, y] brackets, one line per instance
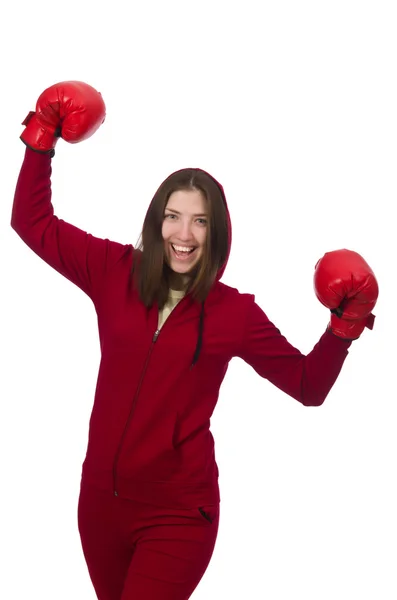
[165, 231]
[201, 237]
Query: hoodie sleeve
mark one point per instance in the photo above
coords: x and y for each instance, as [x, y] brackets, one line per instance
[75, 254]
[307, 379]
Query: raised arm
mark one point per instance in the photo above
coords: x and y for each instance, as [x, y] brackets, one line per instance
[346, 285]
[73, 111]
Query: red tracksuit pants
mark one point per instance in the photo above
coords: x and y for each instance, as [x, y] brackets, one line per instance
[136, 551]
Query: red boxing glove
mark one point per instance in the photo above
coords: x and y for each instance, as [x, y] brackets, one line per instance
[346, 284]
[72, 110]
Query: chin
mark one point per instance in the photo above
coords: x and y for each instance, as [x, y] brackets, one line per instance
[182, 269]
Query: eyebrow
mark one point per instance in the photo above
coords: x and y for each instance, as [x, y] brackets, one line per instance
[178, 213]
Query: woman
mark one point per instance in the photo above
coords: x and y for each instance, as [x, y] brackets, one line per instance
[149, 502]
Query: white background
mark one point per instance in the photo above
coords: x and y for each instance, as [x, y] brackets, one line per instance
[292, 106]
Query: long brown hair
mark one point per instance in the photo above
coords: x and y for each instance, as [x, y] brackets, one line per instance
[149, 272]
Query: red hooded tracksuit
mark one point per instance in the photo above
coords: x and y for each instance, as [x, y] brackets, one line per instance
[150, 453]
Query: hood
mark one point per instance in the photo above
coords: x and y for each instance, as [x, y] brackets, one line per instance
[220, 271]
[229, 226]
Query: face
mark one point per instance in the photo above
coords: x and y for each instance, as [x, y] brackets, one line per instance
[184, 229]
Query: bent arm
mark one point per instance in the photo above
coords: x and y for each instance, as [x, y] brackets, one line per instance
[75, 254]
[306, 378]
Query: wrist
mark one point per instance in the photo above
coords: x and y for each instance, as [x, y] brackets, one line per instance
[349, 329]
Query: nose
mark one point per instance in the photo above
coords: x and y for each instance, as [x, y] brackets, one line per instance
[185, 230]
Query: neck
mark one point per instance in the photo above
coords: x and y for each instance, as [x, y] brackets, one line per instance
[178, 282]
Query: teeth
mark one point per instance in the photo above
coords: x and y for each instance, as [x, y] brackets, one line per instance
[182, 248]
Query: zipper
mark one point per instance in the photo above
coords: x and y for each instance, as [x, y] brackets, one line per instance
[154, 340]
[134, 401]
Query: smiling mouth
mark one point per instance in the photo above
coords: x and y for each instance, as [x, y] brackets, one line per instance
[182, 254]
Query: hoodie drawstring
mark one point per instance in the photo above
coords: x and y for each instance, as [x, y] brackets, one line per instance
[200, 338]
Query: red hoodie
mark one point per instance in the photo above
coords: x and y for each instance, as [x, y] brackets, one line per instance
[149, 435]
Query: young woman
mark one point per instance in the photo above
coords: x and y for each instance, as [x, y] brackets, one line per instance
[149, 504]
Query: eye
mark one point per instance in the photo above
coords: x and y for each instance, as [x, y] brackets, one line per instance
[169, 215]
[202, 221]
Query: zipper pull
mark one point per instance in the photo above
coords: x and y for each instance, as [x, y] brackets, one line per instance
[156, 335]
